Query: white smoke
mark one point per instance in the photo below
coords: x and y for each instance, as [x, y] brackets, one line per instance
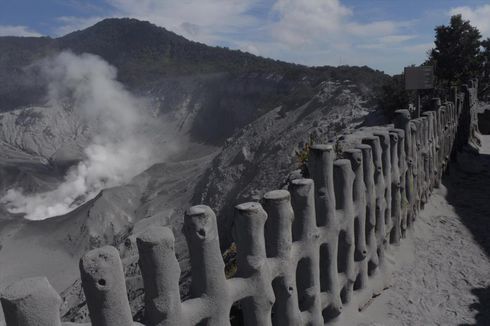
[118, 150]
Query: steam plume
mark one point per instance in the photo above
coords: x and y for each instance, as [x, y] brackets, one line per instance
[118, 150]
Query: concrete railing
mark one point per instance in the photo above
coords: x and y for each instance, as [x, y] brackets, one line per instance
[306, 256]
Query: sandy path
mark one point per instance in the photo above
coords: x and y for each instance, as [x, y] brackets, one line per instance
[443, 275]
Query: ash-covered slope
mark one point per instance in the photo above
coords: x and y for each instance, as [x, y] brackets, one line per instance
[239, 120]
[266, 153]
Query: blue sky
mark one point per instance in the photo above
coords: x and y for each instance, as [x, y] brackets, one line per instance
[383, 34]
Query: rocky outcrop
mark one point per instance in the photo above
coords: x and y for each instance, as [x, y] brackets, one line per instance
[263, 153]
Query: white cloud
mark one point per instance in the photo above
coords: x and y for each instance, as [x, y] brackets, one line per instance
[479, 17]
[10, 30]
[200, 20]
[378, 28]
[319, 32]
[418, 48]
[301, 22]
[396, 39]
[250, 48]
[329, 24]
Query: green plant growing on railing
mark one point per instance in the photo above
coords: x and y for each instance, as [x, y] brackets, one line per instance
[405, 203]
[229, 257]
[338, 149]
[303, 153]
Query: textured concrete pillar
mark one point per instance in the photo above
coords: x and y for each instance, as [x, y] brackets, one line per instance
[396, 199]
[161, 273]
[208, 276]
[343, 185]
[251, 260]
[105, 288]
[278, 230]
[430, 150]
[454, 127]
[31, 302]
[436, 146]
[379, 182]
[438, 131]
[417, 132]
[249, 237]
[403, 170]
[425, 173]
[384, 139]
[427, 151]
[402, 121]
[305, 230]
[303, 203]
[278, 237]
[320, 166]
[415, 174]
[437, 136]
[359, 197]
[368, 172]
[449, 133]
[444, 156]
[454, 94]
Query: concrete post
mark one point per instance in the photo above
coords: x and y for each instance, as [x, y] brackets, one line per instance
[359, 197]
[396, 202]
[320, 166]
[444, 139]
[438, 133]
[343, 185]
[368, 172]
[424, 164]
[430, 150]
[379, 182]
[105, 288]
[305, 231]
[208, 276]
[278, 237]
[384, 138]
[415, 173]
[161, 272]
[31, 302]
[417, 132]
[251, 260]
[403, 170]
[402, 121]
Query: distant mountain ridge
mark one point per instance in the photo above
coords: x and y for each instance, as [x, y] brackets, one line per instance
[148, 57]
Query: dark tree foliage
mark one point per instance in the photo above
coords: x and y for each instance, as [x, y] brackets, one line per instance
[485, 75]
[393, 96]
[456, 56]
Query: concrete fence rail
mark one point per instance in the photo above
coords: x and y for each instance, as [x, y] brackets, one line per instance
[305, 256]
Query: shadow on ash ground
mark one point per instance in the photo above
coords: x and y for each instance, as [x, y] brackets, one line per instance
[468, 192]
[443, 270]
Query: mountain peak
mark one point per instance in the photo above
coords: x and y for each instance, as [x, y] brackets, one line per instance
[126, 27]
